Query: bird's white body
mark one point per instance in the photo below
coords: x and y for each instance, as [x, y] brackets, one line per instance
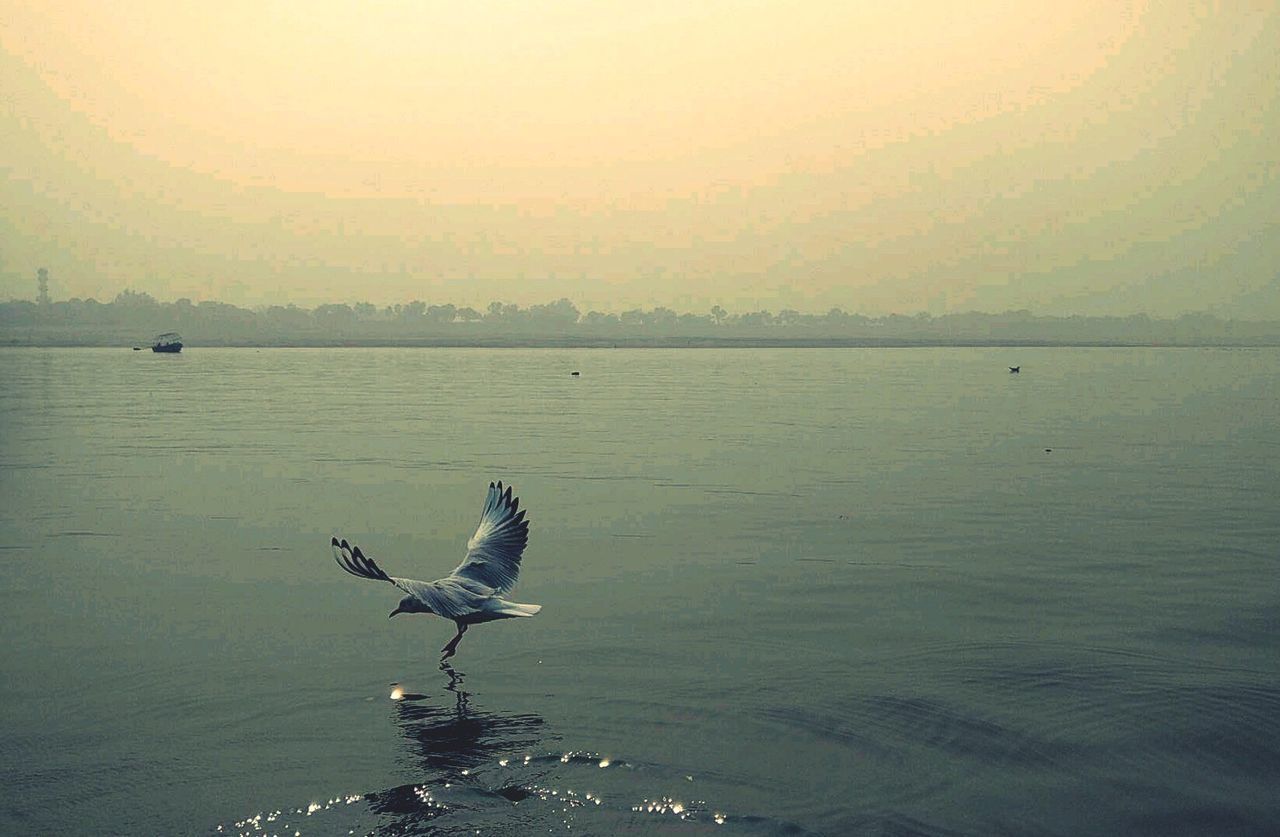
[472, 593]
[460, 601]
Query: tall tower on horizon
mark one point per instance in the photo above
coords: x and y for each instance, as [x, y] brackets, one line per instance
[42, 280]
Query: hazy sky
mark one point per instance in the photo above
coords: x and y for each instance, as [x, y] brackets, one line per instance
[1069, 157]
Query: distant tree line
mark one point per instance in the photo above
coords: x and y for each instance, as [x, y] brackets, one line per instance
[134, 316]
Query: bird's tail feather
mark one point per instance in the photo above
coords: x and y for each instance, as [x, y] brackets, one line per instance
[513, 609]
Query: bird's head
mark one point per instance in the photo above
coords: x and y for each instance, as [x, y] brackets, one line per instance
[409, 605]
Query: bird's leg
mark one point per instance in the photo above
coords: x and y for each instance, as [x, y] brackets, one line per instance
[452, 647]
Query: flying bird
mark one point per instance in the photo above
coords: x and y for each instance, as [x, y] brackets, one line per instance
[1015, 369]
[472, 593]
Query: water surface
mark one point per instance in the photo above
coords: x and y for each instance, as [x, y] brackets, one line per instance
[850, 591]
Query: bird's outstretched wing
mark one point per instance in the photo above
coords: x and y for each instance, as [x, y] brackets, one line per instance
[493, 553]
[351, 559]
[450, 597]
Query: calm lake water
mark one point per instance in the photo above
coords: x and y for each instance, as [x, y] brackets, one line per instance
[785, 591]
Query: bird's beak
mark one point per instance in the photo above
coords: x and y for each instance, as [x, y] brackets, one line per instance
[394, 612]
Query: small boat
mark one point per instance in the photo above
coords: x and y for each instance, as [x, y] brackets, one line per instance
[169, 342]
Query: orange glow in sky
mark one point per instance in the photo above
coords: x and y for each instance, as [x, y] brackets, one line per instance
[1093, 156]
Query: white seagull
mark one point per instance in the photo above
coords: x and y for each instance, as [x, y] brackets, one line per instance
[473, 592]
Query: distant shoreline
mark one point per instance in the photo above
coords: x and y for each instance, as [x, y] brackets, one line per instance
[654, 343]
[132, 317]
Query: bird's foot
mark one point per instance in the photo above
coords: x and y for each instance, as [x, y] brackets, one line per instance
[447, 652]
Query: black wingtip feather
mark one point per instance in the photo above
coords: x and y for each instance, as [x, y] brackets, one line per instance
[355, 562]
[333, 541]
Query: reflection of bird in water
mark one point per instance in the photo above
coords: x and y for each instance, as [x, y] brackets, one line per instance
[455, 680]
[455, 677]
[454, 736]
[473, 592]
[447, 739]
